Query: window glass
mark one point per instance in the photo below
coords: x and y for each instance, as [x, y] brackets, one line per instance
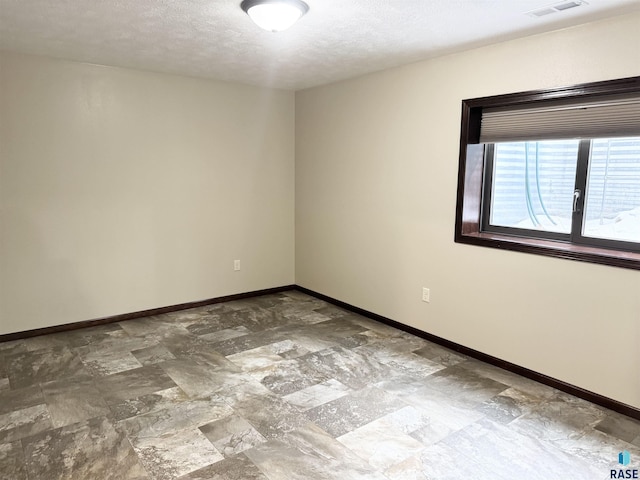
[612, 206]
[533, 185]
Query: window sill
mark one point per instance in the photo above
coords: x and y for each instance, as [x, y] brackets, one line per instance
[552, 248]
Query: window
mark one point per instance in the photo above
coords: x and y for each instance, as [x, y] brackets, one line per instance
[585, 192]
[555, 172]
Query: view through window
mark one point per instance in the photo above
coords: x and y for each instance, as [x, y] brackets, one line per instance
[534, 187]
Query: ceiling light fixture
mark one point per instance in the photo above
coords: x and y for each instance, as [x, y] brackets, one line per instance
[274, 15]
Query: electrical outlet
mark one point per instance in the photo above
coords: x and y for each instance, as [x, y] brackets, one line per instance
[426, 295]
[236, 265]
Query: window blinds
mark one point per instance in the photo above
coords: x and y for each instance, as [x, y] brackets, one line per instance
[605, 116]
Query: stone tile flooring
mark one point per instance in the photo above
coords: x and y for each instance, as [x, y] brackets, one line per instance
[285, 387]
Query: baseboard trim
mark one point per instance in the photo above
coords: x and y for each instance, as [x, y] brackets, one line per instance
[592, 397]
[142, 313]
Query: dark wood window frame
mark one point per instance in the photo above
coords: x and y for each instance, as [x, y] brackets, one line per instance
[471, 177]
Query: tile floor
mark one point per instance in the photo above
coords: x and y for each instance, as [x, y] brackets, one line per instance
[285, 387]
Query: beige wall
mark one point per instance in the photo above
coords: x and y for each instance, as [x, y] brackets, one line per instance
[376, 166]
[123, 190]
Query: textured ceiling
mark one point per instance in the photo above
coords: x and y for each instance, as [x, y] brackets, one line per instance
[337, 39]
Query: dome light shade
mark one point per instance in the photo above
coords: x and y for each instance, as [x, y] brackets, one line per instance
[274, 15]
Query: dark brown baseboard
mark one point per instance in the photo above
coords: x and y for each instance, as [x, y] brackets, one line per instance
[143, 313]
[592, 397]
